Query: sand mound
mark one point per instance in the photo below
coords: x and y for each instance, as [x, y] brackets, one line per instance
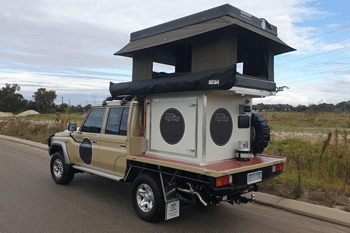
[28, 112]
[6, 114]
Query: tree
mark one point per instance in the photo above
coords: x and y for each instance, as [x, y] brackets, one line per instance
[31, 105]
[10, 101]
[62, 107]
[44, 99]
[87, 107]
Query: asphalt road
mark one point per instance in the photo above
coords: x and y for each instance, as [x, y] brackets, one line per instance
[31, 202]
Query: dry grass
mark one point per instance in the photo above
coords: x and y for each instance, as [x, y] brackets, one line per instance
[31, 130]
[318, 157]
[312, 121]
[38, 127]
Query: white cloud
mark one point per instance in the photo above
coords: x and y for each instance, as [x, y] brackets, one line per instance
[78, 89]
[128, 16]
[32, 81]
[331, 90]
[68, 46]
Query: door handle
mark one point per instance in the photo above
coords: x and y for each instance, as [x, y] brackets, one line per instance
[122, 145]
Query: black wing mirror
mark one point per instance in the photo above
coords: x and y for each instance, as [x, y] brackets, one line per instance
[72, 127]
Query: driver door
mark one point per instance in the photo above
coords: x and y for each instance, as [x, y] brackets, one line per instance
[86, 147]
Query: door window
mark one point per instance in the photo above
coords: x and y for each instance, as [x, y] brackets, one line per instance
[93, 122]
[117, 123]
[124, 123]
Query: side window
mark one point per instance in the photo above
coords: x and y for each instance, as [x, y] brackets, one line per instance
[117, 123]
[93, 123]
[124, 123]
[113, 122]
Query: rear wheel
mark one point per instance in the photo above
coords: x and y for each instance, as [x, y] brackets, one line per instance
[147, 198]
[61, 172]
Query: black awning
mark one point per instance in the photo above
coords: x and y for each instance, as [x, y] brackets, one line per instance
[220, 79]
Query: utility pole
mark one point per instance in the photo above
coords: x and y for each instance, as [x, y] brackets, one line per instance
[62, 99]
[69, 112]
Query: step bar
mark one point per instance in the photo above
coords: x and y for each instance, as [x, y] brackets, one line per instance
[99, 173]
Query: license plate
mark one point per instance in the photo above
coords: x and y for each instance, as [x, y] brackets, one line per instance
[254, 177]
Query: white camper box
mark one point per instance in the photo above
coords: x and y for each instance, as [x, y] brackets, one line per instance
[196, 116]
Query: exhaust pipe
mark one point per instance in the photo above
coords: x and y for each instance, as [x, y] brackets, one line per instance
[192, 192]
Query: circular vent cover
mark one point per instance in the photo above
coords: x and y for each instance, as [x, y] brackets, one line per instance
[172, 126]
[221, 126]
[85, 151]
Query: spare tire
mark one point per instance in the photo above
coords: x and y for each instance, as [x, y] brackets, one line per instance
[260, 136]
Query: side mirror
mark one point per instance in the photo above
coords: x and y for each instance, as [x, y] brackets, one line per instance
[72, 127]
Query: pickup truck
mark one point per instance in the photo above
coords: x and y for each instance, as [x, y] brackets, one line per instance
[187, 136]
[111, 143]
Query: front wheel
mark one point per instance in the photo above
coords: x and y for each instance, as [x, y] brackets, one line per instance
[147, 198]
[61, 172]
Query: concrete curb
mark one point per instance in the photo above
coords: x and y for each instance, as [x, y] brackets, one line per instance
[314, 211]
[303, 208]
[25, 142]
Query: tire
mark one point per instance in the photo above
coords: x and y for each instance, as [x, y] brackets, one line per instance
[146, 188]
[260, 133]
[61, 172]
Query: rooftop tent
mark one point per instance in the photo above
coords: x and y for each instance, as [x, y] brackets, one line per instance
[158, 38]
[214, 39]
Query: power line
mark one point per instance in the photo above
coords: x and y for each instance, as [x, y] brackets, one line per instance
[338, 29]
[310, 79]
[282, 71]
[319, 54]
[323, 46]
[316, 73]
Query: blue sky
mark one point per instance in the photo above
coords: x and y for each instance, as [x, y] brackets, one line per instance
[68, 46]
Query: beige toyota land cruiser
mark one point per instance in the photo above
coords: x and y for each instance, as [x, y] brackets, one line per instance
[190, 135]
[111, 143]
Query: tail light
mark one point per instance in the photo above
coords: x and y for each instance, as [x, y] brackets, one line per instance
[224, 180]
[278, 167]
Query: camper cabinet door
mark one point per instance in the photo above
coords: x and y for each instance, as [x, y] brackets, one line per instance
[174, 126]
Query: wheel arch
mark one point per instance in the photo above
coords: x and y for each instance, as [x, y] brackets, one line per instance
[60, 146]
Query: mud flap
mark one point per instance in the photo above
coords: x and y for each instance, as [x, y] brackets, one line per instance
[172, 209]
[172, 201]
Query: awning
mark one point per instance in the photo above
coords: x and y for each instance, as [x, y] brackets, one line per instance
[219, 79]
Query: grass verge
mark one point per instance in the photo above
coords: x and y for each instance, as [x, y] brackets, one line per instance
[38, 127]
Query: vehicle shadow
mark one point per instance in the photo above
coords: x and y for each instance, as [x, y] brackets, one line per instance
[115, 198]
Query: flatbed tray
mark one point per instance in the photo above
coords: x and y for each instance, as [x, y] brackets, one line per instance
[217, 169]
